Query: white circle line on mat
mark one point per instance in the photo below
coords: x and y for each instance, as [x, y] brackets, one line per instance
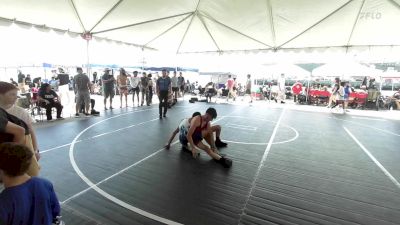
[101, 191]
[104, 193]
[264, 143]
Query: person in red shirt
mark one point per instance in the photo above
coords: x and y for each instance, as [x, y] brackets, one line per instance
[230, 83]
[297, 88]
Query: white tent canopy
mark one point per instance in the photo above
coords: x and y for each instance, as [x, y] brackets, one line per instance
[182, 26]
[345, 69]
[289, 70]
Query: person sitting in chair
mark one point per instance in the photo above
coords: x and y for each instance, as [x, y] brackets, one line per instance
[48, 99]
[395, 101]
[210, 91]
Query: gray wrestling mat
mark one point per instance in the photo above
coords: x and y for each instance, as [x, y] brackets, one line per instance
[289, 167]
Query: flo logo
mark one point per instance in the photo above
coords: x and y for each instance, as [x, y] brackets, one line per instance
[370, 16]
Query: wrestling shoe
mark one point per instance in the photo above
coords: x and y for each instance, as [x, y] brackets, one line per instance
[225, 162]
[219, 143]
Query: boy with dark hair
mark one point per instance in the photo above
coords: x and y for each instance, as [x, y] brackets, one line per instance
[200, 127]
[193, 130]
[183, 129]
[25, 199]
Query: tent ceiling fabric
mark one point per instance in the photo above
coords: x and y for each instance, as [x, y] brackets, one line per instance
[184, 26]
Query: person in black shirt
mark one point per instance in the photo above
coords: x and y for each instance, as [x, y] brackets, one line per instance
[28, 80]
[21, 77]
[94, 77]
[49, 99]
[163, 87]
[21, 81]
[108, 82]
[144, 82]
[150, 85]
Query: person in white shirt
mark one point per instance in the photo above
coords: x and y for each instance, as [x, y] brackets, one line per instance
[282, 89]
[134, 83]
[248, 87]
[174, 85]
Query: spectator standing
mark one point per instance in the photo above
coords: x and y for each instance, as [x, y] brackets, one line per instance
[135, 84]
[248, 87]
[21, 81]
[335, 89]
[28, 80]
[122, 84]
[94, 78]
[108, 82]
[181, 84]
[63, 86]
[174, 84]
[151, 84]
[144, 81]
[282, 88]
[230, 83]
[163, 86]
[82, 90]
[296, 89]
[347, 92]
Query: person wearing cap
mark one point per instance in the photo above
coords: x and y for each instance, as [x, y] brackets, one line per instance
[199, 128]
[108, 82]
[163, 86]
[122, 84]
[134, 83]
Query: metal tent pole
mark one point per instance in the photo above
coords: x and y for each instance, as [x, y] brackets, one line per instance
[308, 87]
[87, 58]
